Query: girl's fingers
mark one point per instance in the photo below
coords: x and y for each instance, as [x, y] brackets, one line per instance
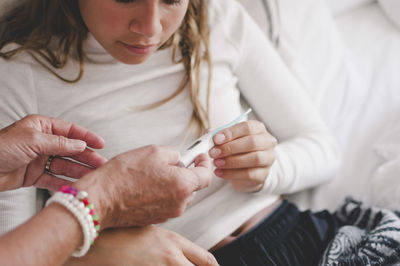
[251, 127]
[246, 160]
[244, 144]
[247, 174]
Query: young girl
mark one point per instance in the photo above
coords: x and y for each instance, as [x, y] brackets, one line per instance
[153, 71]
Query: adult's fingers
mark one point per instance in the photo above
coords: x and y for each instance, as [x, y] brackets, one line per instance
[50, 182]
[180, 260]
[65, 167]
[196, 254]
[202, 161]
[190, 199]
[90, 157]
[70, 130]
[167, 154]
[202, 171]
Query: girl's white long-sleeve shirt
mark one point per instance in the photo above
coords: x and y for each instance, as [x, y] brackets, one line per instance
[245, 64]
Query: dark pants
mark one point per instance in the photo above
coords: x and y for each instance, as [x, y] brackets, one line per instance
[286, 237]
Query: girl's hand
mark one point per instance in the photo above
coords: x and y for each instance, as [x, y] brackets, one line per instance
[243, 154]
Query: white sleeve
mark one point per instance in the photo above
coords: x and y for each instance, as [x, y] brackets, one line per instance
[17, 99]
[306, 154]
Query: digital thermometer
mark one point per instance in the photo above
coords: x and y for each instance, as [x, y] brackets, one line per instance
[206, 142]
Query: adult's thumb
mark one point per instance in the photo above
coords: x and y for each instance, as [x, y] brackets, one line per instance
[202, 171]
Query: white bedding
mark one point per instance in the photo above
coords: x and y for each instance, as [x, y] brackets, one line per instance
[375, 49]
[341, 6]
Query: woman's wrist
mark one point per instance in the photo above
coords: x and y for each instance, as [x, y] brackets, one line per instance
[97, 196]
[61, 213]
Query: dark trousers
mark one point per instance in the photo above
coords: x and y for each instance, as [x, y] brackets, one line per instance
[286, 237]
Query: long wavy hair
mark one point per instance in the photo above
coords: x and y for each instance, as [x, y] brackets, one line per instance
[35, 24]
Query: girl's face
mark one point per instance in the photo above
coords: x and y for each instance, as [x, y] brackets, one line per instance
[131, 30]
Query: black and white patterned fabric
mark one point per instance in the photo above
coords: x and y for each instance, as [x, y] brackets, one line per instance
[369, 236]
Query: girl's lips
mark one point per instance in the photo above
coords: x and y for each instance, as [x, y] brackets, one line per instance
[139, 49]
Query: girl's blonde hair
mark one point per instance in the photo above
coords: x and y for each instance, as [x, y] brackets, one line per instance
[35, 24]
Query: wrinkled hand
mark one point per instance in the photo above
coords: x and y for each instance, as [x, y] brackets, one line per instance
[26, 145]
[145, 246]
[144, 186]
[243, 154]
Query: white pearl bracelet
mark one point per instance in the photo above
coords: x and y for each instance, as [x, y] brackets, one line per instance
[81, 213]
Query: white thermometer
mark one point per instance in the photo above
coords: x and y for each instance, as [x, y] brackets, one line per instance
[206, 142]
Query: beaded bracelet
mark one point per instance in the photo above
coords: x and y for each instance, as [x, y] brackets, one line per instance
[77, 203]
[82, 196]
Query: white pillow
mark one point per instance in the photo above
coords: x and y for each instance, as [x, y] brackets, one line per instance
[340, 6]
[392, 10]
[313, 49]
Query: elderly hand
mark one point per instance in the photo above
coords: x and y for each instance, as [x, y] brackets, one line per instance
[243, 154]
[26, 145]
[144, 246]
[144, 186]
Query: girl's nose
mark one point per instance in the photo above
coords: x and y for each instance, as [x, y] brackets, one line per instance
[147, 22]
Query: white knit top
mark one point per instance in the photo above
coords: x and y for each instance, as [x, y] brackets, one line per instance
[245, 64]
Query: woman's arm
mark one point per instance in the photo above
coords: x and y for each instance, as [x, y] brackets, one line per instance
[127, 191]
[49, 238]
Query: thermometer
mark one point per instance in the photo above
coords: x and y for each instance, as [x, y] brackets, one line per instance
[206, 142]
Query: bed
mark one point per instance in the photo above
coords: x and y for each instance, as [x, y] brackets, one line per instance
[373, 144]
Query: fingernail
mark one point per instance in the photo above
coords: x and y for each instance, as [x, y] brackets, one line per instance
[218, 172]
[102, 140]
[219, 138]
[219, 162]
[79, 144]
[215, 152]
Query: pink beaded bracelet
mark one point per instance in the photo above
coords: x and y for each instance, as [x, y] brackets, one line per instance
[83, 197]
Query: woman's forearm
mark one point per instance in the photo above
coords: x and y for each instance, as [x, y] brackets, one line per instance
[49, 238]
